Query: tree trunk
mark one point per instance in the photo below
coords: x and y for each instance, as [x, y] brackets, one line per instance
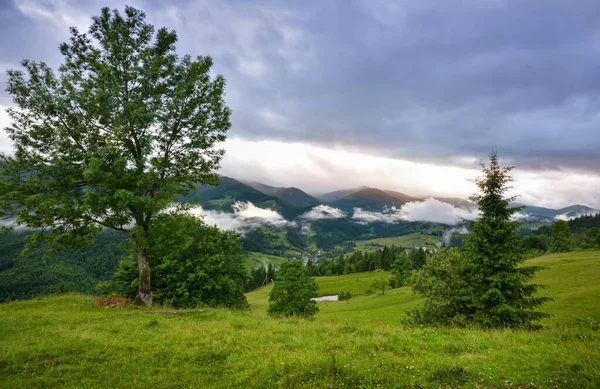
[144, 294]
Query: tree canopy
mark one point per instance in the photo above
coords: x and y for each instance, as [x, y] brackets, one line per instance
[194, 265]
[110, 141]
[293, 291]
[560, 241]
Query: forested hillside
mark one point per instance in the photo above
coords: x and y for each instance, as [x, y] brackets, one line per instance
[40, 273]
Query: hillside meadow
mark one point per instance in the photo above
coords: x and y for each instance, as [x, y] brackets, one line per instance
[69, 341]
[416, 239]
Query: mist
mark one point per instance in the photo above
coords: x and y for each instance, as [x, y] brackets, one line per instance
[322, 211]
[245, 217]
[430, 210]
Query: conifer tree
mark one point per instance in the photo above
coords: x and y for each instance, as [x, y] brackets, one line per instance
[500, 292]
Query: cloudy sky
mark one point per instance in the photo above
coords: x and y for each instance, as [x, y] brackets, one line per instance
[405, 95]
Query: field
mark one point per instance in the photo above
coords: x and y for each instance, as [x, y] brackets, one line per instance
[411, 240]
[252, 260]
[68, 341]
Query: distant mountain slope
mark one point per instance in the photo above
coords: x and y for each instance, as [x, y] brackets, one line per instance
[369, 199]
[402, 197]
[456, 201]
[229, 191]
[569, 212]
[339, 194]
[292, 196]
[577, 210]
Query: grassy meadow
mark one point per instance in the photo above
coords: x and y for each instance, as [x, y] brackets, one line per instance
[416, 239]
[253, 259]
[68, 341]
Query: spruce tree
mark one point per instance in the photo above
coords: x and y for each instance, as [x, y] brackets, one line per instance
[500, 294]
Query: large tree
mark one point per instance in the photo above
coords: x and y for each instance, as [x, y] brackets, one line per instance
[485, 283]
[110, 141]
[500, 289]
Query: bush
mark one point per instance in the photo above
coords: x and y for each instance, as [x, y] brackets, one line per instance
[194, 265]
[292, 292]
[344, 295]
[380, 283]
[441, 281]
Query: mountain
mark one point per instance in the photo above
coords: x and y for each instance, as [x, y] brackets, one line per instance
[229, 191]
[403, 198]
[369, 199]
[576, 211]
[292, 196]
[456, 202]
[339, 194]
[549, 213]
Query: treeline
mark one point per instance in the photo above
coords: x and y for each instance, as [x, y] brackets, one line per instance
[582, 232]
[261, 276]
[360, 261]
[328, 235]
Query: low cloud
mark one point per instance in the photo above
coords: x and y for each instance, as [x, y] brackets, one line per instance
[448, 234]
[323, 212]
[523, 217]
[245, 217]
[430, 210]
[305, 229]
[574, 215]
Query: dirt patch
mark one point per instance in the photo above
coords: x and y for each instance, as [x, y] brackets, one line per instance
[113, 301]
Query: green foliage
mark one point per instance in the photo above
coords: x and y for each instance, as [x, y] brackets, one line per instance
[293, 291]
[126, 279]
[124, 128]
[561, 237]
[380, 283]
[500, 291]
[539, 242]
[488, 286]
[446, 291]
[418, 257]
[40, 273]
[296, 239]
[344, 295]
[400, 270]
[194, 264]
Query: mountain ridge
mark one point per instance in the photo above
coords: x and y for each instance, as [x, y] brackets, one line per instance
[293, 201]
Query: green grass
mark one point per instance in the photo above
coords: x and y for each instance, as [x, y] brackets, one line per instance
[67, 341]
[252, 260]
[411, 240]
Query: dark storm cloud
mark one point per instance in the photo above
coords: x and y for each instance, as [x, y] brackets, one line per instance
[425, 80]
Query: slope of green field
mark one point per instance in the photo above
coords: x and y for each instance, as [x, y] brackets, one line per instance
[67, 341]
[252, 260]
[411, 240]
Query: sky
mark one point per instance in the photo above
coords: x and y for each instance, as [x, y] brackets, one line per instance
[403, 95]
